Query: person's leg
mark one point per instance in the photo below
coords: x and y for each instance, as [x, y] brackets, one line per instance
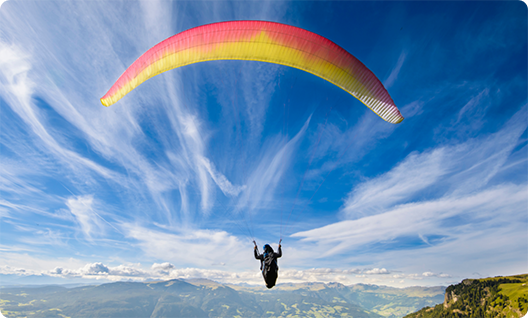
[271, 279]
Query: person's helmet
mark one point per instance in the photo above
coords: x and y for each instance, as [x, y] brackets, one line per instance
[267, 248]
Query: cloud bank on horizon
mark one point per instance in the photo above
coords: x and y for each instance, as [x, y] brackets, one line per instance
[177, 178]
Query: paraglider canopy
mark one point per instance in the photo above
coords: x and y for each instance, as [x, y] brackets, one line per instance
[266, 42]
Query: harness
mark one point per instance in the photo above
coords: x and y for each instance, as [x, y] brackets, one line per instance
[270, 263]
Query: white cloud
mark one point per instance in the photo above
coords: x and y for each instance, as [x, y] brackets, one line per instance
[95, 269]
[377, 271]
[427, 274]
[99, 270]
[163, 267]
[166, 271]
[190, 247]
[10, 270]
[81, 207]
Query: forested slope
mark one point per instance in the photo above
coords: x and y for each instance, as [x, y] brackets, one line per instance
[482, 298]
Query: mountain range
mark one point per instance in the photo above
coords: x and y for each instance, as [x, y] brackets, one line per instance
[205, 298]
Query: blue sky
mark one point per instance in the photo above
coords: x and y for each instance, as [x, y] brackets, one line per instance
[177, 178]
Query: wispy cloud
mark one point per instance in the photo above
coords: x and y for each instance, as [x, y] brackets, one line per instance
[220, 180]
[265, 178]
[46, 236]
[19, 89]
[399, 210]
[83, 209]
[444, 218]
[14, 178]
[461, 169]
[394, 73]
[397, 186]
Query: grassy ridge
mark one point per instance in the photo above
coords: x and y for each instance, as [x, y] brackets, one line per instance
[493, 297]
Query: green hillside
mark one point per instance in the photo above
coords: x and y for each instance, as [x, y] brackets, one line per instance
[494, 297]
[204, 298]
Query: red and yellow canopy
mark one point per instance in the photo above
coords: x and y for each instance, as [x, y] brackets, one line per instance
[266, 42]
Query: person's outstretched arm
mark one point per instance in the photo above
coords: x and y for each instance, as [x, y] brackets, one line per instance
[279, 254]
[257, 255]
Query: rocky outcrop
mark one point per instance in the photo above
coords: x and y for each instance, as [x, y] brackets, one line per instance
[449, 299]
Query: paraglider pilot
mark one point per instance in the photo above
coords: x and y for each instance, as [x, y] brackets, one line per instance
[268, 264]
